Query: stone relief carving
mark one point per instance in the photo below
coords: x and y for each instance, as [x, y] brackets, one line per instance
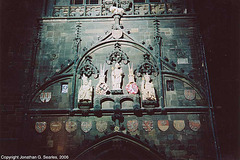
[147, 67]
[93, 11]
[60, 11]
[157, 8]
[141, 9]
[127, 6]
[88, 69]
[106, 7]
[117, 55]
[147, 89]
[85, 91]
[77, 11]
[116, 11]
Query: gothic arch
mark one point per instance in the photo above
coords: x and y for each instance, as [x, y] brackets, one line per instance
[119, 146]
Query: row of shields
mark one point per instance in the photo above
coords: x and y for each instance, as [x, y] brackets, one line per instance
[132, 125]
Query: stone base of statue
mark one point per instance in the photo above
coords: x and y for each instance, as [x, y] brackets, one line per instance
[117, 91]
[149, 104]
[84, 104]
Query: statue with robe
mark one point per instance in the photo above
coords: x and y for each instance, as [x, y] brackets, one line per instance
[85, 91]
[117, 74]
[147, 88]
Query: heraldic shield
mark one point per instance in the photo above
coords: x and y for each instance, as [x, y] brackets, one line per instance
[40, 126]
[163, 125]
[71, 126]
[194, 124]
[132, 125]
[132, 88]
[101, 126]
[147, 125]
[45, 96]
[179, 125]
[55, 126]
[86, 126]
[189, 94]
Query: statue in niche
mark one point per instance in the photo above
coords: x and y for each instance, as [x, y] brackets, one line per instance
[147, 88]
[117, 74]
[131, 87]
[85, 91]
[102, 88]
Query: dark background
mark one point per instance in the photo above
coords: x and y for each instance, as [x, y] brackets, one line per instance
[219, 23]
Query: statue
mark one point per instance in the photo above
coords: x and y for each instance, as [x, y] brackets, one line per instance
[147, 88]
[117, 74]
[102, 88]
[85, 91]
[116, 10]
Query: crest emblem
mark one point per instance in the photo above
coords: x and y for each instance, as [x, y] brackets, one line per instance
[189, 94]
[101, 126]
[163, 125]
[102, 88]
[55, 126]
[132, 88]
[194, 124]
[71, 126]
[132, 125]
[86, 126]
[147, 125]
[179, 125]
[45, 96]
[40, 126]
[117, 34]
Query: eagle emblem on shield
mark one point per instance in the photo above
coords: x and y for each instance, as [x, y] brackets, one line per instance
[132, 125]
[163, 125]
[86, 126]
[55, 126]
[45, 96]
[194, 124]
[190, 94]
[101, 126]
[71, 126]
[147, 125]
[179, 125]
[40, 126]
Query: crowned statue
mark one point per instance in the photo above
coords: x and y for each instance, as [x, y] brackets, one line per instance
[147, 88]
[117, 74]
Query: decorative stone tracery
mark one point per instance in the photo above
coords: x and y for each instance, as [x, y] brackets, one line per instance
[117, 55]
[88, 69]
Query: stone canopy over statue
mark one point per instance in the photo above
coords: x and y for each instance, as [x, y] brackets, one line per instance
[85, 91]
[147, 89]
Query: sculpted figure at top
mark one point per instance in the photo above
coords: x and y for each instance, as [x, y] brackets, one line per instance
[85, 91]
[117, 74]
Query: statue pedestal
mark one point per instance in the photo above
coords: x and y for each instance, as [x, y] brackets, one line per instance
[117, 91]
[84, 104]
[149, 104]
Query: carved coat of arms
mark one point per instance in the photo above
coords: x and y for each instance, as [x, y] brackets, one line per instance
[189, 94]
[163, 125]
[40, 126]
[194, 124]
[132, 88]
[132, 125]
[147, 125]
[86, 126]
[71, 126]
[55, 126]
[117, 34]
[179, 125]
[45, 96]
[101, 126]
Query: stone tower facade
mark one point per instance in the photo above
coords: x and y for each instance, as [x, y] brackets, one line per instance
[119, 79]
